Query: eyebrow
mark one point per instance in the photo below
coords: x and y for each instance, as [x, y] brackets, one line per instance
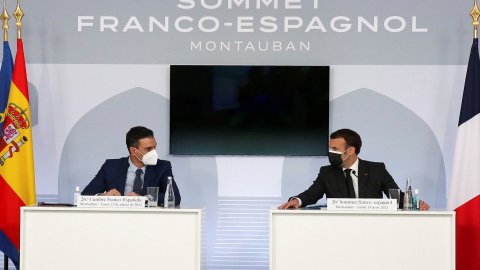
[151, 147]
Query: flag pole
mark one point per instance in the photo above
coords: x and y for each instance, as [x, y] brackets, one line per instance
[5, 262]
[19, 15]
[5, 18]
[475, 13]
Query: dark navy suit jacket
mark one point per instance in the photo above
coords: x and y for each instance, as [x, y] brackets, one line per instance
[113, 175]
[373, 179]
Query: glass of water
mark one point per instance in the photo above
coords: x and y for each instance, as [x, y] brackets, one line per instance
[152, 196]
[395, 194]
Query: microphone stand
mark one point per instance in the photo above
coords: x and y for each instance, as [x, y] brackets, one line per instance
[5, 262]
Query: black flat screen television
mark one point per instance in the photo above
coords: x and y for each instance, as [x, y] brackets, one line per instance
[249, 110]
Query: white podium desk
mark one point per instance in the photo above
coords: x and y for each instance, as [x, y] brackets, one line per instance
[109, 238]
[331, 240]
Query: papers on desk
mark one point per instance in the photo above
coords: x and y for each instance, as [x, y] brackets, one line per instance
[47, 204]
[316, 206]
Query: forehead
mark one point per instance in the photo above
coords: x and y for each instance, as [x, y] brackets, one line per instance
[146, 143]
[338, 143]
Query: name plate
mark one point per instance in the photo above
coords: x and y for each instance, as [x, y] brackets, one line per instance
[111, 201]
[362, 204]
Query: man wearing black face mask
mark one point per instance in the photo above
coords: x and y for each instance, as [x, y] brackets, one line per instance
[130, 176]
[367, 179]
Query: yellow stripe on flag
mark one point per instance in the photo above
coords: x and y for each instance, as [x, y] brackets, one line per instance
[18, 169]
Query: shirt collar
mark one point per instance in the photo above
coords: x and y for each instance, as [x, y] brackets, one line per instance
[354, 166]
[133, 168]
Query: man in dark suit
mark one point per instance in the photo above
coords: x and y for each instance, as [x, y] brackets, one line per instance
[367, 179]
[130, 176]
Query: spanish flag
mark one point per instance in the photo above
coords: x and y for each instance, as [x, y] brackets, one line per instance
[17, 178]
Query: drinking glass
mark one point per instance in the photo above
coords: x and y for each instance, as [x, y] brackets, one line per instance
[152, 196]
[394, 193]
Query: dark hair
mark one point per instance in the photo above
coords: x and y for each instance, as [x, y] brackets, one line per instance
[351, 138]
[137, 133]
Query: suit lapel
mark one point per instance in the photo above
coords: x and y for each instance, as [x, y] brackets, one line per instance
[362, 179]
[123, 178]
[341, 184]
[147, 179]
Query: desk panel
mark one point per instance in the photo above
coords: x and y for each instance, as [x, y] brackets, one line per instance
[109, 238]
[314, 239]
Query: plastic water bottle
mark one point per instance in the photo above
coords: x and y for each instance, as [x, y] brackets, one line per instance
[75, 196]
[169, 200]
[416, 201]
[408, 197]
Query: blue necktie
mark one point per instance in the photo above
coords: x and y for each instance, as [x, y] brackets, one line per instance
[137, 184]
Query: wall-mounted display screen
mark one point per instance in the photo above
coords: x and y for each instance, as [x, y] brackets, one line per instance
[249, 110]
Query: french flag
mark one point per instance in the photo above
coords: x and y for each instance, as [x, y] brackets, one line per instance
[464, 192]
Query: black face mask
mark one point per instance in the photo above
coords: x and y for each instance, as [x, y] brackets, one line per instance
[335, 158]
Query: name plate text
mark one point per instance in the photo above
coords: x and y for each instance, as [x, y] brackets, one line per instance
[362, 204]
[111, 201]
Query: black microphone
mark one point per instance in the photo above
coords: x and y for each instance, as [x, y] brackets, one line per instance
[366, 185]
[370, 189]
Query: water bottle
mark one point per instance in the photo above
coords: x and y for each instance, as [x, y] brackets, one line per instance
[416, 201]
[169, 200]
[408, 197]
[75, 195]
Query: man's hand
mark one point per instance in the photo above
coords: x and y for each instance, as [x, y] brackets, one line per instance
[111, 192]
[132, 194]
[291, 204]
[424, 206]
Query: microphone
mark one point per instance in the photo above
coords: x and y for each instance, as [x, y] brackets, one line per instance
[369, 187]
[361, 180]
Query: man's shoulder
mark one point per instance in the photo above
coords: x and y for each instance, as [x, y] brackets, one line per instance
[370, 164]
[161, 166]
[161, 163]
[328, 169]
[117, 160]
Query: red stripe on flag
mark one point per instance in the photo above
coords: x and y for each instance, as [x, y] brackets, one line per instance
[10, 205]
[19, 77]
[468, 234]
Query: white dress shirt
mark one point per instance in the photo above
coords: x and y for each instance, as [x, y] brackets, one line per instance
[354, 175]
[131, 177]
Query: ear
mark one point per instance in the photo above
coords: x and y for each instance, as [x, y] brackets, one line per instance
[131, 149]
[351, 150]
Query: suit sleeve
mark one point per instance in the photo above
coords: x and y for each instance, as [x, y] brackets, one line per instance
[389, 183]
[166, 172]
[98, 183]
[316, 191]
[178, 199]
